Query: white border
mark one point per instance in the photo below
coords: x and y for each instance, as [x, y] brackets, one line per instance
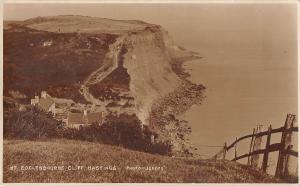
[152, 1]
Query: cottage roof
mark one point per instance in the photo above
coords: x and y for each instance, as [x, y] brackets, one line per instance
[48, 97]
[45, 104]
[75, 118]
[94, 117]
[79, 118]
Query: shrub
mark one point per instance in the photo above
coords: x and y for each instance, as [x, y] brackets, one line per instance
[163, 148]
[126, 130]
[123, 130]
[32, 123]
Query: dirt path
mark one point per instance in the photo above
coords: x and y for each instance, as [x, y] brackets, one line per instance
[110, 64]
[84, 90]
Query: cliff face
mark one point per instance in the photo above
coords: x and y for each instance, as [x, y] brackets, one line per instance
[146, 55]
[148, 62]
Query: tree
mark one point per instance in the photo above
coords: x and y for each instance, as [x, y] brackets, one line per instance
[32, 123]
[125, 130]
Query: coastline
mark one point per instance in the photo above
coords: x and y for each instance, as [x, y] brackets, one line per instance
[165, 112]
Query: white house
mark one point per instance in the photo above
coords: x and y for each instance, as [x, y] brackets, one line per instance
[44, 102]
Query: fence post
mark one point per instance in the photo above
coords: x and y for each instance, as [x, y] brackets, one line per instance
[286, 138]
[287, 166]
[251, 144]
[256, 146]
[235, 149]
[225, 150]
[266, 154]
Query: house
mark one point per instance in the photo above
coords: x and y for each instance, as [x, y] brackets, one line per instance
[45, 102]
[76, 120]
[47, 43]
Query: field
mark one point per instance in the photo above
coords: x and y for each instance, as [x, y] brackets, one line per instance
[118, 165]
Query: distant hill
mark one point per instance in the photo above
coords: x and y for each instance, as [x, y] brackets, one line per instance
[74, 153]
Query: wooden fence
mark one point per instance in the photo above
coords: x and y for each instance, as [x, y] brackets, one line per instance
[285, 147]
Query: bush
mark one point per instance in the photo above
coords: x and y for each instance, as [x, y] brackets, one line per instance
[123, 130]
[126, 130]
[89, 133]
[32, 123]
[163, 148]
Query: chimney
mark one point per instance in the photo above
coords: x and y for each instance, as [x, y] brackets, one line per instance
[36, 98]
[32, 101]
[44, 94]
[85, 118]
[101, 122]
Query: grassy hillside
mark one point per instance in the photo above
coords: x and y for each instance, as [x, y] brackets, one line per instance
[38, 60]
[76, 153]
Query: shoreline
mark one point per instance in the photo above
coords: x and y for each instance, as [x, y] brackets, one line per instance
[164, 114]
[177, 66]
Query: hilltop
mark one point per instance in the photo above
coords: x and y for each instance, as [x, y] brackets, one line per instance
[73, 153]
[84, 24]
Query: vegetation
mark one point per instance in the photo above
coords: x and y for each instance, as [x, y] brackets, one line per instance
[78, 153]
[50, 59]
[123, 130]
[67, 91]
[111, 86]
[31, 124]
[116, 82]
[43, 144]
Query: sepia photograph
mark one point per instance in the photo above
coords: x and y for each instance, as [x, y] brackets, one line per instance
[150, 92]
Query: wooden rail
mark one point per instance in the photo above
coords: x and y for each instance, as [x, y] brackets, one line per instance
[284, 147]
[293, 129]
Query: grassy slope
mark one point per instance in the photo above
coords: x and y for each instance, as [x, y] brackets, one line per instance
[57, 68]
[66, 152]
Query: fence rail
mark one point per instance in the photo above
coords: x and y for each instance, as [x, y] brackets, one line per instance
[284, 147]
[278, 130]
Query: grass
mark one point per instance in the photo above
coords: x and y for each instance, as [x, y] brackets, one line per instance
[30, 67]
[77, 153]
